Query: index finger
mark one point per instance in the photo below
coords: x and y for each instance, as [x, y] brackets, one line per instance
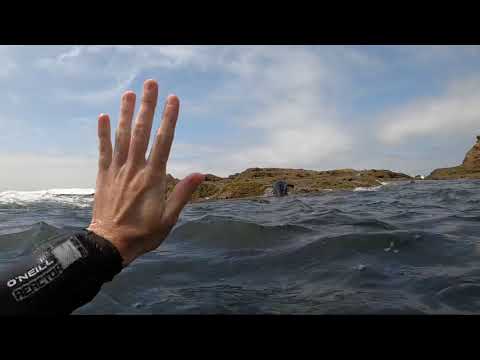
[164, 138]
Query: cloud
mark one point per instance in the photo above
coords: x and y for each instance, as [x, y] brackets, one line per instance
[287, 117]
[72, 53]
[285, 106]
[279, 97]
[99, 74]
[49, 171]
[299, 127]
[296, 133]
[455, 112]
[98, 96]
[295, 147]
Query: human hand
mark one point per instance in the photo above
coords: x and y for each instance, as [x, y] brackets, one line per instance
[130, 208]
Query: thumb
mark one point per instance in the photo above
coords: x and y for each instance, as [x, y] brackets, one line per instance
[180, 196]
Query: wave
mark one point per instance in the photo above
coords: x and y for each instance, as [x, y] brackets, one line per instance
[25, 241]
[73, 196]
[222, 233]
[403, 249]
[373, 188]
[383, 184]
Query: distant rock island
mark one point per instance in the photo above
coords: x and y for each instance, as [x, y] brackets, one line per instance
[256, 182]
[469, 169]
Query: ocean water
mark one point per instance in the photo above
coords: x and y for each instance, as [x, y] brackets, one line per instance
[399, 248]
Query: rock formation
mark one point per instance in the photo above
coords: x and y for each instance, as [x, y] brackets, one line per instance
[255, 182]
[472, 158]
[469, 169]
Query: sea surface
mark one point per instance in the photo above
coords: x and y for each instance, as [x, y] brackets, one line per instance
[399, 248]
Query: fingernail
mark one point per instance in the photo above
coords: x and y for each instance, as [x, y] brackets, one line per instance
[129, 95]
[172, 99]
[150, 84]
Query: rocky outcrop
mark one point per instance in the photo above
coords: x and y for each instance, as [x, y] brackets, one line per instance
[255, 182]
[211, 177]
[469, 169]
[171, 182]
[472, 158]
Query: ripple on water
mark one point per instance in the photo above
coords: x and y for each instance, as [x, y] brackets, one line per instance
[399, 249]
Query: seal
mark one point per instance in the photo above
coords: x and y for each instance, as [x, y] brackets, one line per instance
[280, 188]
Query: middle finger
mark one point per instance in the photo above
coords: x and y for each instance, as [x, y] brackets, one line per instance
[143, 123]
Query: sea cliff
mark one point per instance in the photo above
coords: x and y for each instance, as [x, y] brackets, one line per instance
[469, 169]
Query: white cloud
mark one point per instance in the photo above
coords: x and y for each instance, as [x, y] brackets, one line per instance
[286, 92]
[98, 96]
[293, 123]
[457, 111]
[27, 171]
[299, 126]
[280, 105]
[251, 67]
[110, 70]
[72, 53]
[295, 147]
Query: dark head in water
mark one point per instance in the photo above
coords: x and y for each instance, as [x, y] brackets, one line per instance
[280, 188]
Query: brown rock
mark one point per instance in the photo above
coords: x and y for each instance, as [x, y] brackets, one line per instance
[472, 158]
[171, 182]
[255, 182]
[211, 177]
[469, 169]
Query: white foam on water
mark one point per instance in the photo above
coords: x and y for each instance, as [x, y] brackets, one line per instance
[73, 191]
[74, 196]
[382, 182]
[373, 188]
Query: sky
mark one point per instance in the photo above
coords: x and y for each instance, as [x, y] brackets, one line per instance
[405, 108]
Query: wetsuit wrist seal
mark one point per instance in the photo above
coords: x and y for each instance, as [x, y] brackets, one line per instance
[59, 277]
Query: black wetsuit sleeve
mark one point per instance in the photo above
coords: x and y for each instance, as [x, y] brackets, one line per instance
[59, 277]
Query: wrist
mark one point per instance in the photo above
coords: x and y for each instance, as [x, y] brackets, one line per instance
[126, 251]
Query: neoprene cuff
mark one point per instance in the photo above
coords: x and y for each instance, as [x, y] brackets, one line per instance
[65, 273]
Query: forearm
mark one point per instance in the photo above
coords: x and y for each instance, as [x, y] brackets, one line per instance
[59, 277]
[131, 210]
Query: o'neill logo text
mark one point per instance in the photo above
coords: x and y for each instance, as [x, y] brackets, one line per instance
[29, 274]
